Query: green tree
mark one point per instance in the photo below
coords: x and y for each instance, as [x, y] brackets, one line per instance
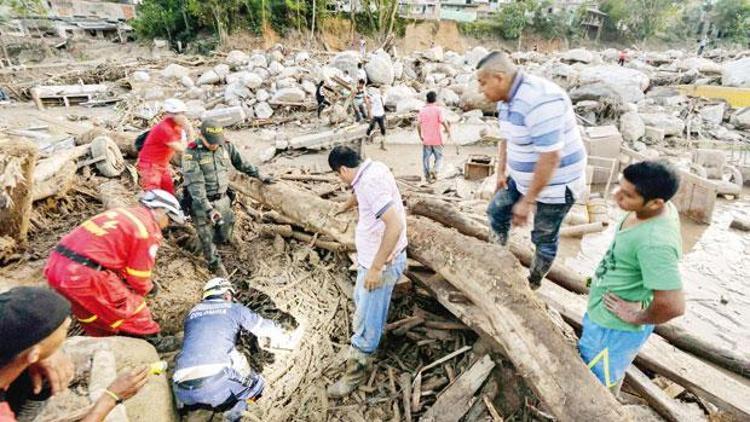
[638, 19]
[515, 17]
[732, 19]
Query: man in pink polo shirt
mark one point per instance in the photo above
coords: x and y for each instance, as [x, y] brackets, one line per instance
[380, 240]
[430, 121]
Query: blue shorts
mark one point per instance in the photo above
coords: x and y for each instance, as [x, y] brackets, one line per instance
[609, 352]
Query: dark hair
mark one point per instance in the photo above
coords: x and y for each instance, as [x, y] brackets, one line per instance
[653, 179]
[359, 65]
[343, 156]
[361, 82]
[431, 97]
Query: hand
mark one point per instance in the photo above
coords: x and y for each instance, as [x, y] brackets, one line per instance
[626, 311]
[214, 216]
[502, 182]
[373, 278]
[154, 290]
[58, 369]
[267, 180]
[521, 212]
[288, 341]
[129, 383]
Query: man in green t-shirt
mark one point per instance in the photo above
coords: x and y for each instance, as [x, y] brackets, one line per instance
[637, 283]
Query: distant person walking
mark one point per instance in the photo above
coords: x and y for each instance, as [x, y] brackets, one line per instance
[430, 121]
[360, 111]
[376, 108]
[621, 58]
[361, 74]
[320, 96]
[702, 46]
[362, 46]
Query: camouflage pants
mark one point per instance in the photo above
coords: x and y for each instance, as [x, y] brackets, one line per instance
[209, 233]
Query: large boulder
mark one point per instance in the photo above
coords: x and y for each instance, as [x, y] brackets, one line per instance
[262, 95]
[289, 95]
[252, 80]
[453, 58]
[472, 98]
[236, 59]
[736, 73]
[398, 71]
[397, 93]
[610, 81]
[699, 63]
[139, 76]
[301, 57]
[235, 92]
[657, 59]
[632, 127]
[434, 54]
[174, 71]
[448, 97]
[409, 104]
[195, 109]
[222, 70]
[610, 55]
[713, 113]
[275, 68]
[258, 60]
[346, 61]
[671, 125]
[578, 55]
[309, 87]
[379, 70]
[741, 118]
[473, 56]
[208, 77]
[286, 83]
[263, 110]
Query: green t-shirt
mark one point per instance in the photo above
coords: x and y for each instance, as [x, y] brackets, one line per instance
[641, 259]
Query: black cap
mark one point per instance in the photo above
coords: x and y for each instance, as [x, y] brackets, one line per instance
[213, 132]
[28, 315]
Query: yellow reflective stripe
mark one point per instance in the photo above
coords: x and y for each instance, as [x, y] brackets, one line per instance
[139, 308]
[88, 320]
[117, 323]
[138, 273]
[91, 227]
[603, 356]
[142, 232]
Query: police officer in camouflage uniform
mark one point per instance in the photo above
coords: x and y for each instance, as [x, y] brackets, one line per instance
[205, 166]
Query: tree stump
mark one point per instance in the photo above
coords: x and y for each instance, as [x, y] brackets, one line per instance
[17, 162]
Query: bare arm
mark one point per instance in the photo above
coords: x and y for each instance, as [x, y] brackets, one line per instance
[502, 157]
[667, 305]
[545, 167]
[393, 229]
[351, 202]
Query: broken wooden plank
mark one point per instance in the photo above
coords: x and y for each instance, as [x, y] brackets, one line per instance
[664, 405]
[405, 382]
[670, 362]
[455, 400]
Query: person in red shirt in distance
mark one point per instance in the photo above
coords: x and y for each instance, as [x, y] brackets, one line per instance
[103, 267]
[167, 137]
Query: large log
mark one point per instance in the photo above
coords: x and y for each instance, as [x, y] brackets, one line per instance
[494, 280]
[455, 401]
[58, 184]
[700, 378]
[17, 163]
[687, 340]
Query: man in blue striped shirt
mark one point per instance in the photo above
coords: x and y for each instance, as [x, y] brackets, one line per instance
[543, 152]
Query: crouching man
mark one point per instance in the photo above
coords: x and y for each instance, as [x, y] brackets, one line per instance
[210, 372]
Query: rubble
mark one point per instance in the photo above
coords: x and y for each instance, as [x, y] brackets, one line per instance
[632, 126]
[610, 82]
[736, 73]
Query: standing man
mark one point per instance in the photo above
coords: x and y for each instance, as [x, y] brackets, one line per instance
[166, 138]
[210, 371]
[429, 124]
[361, 74]
[205, 166]
[362, 47]
[621, 58]
[545, 157]
[702, 46]
[377, 112]
[637, 284]
[103, 267]
[380, 240]
[320, 97]
[360, 112]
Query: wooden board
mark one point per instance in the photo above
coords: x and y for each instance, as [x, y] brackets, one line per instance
[455, 400]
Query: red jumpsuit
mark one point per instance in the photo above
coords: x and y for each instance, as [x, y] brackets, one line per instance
[124, 241]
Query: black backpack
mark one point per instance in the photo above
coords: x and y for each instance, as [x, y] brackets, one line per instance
[140, 140]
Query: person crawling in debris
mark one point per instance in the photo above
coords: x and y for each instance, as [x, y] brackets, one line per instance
[210, 372]
[205, 166]
[637, 283]
[33, 324]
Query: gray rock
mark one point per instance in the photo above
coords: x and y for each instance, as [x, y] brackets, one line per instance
[262, 95]
[398, 71]
[380, 70]
[453, 58]
[713, 113]
[309, 87]
[473, 56]
[609, 81]
[736, 73]
[578, 55]
[286, 83]
[472, 98]
[448, 97]
[301, 57]
[263, 110]
[209, 77]
[290, 95]
[275, 68]
[473, 114]
[252, 80]
[174, 71]
[741, 118]
[409, 104]
[222, 70]
[346, 61]
[236, 59]
[195, 109]
[610, 55]
[187, 82]
[258, 60]
[398, 93]
[702, 65]
[653, 135]
[235, 92]
[338, 114]
[267, 154]
[632, 127]
[671, 125]
[639, 146]
[434, 54]
[140, 76]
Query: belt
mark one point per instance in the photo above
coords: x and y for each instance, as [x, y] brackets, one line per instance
[214, 198]
[80, 259]
[200, 382]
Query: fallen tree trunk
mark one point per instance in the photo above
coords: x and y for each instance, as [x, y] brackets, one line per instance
[113, 194]
[17, 163]
[58, 184]
[287, 231]
[690, 341]
[493, 279]
[533, 343]
[451, 216]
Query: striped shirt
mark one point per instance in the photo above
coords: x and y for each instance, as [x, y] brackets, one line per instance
[539, 118]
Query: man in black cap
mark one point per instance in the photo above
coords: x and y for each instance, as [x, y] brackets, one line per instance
[205, 166]
[34, 322]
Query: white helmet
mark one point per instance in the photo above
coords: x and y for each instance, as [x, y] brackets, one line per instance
[217, 287]
[174, 106]
[157, 198]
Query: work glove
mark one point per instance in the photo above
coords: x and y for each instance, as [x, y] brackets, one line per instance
[214, 216]
[286, 341]
[267, 180]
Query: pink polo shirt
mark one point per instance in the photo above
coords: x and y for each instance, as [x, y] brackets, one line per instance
[430, 120]
[376, 191]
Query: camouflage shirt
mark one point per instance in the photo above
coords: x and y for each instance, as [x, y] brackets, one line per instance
[206, 172]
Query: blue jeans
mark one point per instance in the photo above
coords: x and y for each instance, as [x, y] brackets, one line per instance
[228, 392]
[546, 232]
[608, 352]
[429, 151]
[371, 306]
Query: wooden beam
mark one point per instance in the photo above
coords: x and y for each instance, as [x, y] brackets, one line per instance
[664, 405]
[455, 400]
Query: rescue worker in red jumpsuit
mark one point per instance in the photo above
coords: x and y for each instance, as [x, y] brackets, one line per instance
[103, 267]
[163, 140]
